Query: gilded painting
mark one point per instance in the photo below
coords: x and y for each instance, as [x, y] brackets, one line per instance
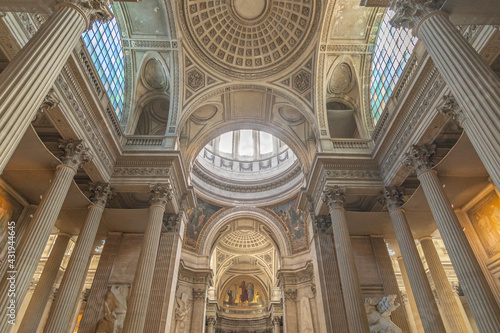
[485, 217]
[294, 221]
[197, 218]
[10, 210]
[244, 296]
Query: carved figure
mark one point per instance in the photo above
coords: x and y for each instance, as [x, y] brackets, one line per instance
[181, 311]
[115, 308]
[379, 312]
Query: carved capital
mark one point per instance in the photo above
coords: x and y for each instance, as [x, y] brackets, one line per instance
[290, 294]
[334, 197]
[74, 153]
[100, 193]
[420, 158]
[409, 13]
[450, 108]
[323, 223]
[276, 321]
[172, 222]
[160, 194]
[199, 294]
[91, 10]
[211, 321]
[49, 102]
[393, 197]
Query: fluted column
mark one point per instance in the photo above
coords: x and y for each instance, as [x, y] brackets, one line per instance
[449, 305]
[329, 290]
[70, 288]
[426, 304]
[43, 289]
[276, 325]
[139, 295]
[95, 300]
[27, 79]
[473, 83]
[411, 297]
[199, 311]
[351, 288]
[389, 281]
[474, 284]
[35, 238]
[211, 324]
[162, 300]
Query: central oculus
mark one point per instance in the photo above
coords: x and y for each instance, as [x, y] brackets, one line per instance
[249, 9]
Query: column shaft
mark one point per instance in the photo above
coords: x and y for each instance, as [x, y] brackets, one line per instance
[70, 288]
[475, 86]
[472, 280]
[27, 79]
[162, 299]
[411, 297]
[329, 284]
[43, 290]
[389, 281]
[351, 288]
[35, 238]
[98, 290]
[449, 305]
[139, 295]
[426, 304]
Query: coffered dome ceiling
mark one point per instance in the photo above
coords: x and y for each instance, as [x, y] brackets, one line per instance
[249, 38]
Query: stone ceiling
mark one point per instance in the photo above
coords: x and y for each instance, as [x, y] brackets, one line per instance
[249, 38]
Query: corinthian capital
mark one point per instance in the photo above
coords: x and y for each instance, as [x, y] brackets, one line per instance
[419, 158]
[409, 13]
[334, 197]
[160, 194]
[100, 193]
[393, 197]
[91, 10]
[450, 108]
[323, 223]
[74, 153]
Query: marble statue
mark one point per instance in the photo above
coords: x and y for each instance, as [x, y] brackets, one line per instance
[379, 311]
[115, 308]
[181, 311]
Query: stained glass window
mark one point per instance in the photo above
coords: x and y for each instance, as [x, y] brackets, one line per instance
[105, 48]
[393, 50]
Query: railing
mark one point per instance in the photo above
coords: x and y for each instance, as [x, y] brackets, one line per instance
[351, 144]
[144, 140]
[247, 166]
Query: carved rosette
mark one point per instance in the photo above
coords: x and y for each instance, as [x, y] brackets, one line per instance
[91, 10]
[74, 153]
[409, 13]
[334, 197]
[419, 158]
[393, 197]
[160, 194]
[100, 193]
[450, 108]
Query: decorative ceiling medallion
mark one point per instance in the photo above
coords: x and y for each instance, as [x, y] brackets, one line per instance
[250, 38]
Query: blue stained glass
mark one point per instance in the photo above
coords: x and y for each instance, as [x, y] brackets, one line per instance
[105, 48]
[393, 50]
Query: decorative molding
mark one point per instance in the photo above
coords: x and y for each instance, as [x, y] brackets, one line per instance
[146, 171]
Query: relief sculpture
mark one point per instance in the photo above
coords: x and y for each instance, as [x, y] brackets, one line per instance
[115, 308]
[379, 311]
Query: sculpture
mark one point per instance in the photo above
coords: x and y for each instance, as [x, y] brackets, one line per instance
[115, 308]
[379, 312]
[181, 311]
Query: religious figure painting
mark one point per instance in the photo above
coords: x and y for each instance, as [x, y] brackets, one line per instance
[197, 218]
[485, 218]
[243, 294]
[294, 220]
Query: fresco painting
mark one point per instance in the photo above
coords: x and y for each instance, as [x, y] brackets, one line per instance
[294, 220]
[243, 295]
[197, 218]
[485, 218]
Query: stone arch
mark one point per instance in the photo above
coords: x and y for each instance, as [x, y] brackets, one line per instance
[210, 232]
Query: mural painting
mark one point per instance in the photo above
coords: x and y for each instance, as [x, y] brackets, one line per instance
[243, 295]
[197, 218]
[485, 217]
[10, 210]
[294, 220]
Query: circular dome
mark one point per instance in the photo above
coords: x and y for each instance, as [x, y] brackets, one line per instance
[250, 38]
